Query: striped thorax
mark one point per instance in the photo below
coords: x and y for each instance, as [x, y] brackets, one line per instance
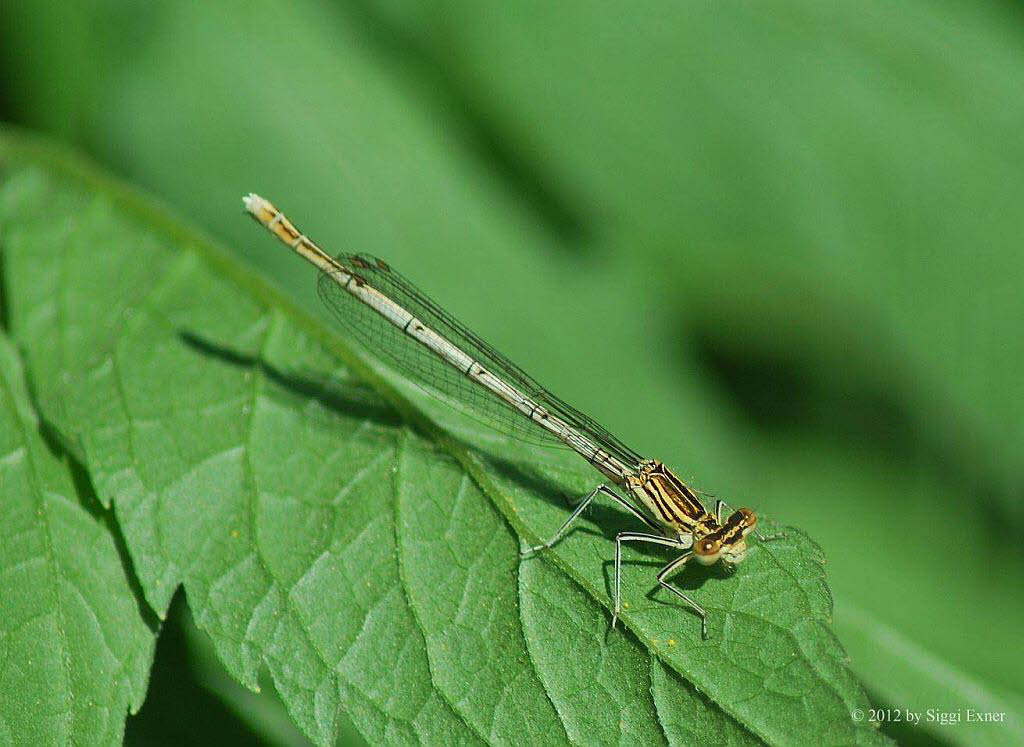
[678, 509]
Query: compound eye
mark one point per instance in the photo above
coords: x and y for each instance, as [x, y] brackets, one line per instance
[745, 519]
[707, 551]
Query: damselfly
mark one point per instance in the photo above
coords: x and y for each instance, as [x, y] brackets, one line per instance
[425, 343]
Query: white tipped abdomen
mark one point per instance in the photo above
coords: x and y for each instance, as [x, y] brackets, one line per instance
[255, 204]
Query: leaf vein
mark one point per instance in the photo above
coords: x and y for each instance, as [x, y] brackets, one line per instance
[521, 627]
[406, 596]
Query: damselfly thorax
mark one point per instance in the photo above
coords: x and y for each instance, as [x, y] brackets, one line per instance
[677, 509]
[417, 337]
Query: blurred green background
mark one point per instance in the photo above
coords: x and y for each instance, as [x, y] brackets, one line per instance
[777, 245]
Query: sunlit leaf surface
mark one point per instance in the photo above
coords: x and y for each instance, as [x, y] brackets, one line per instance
[372, 566]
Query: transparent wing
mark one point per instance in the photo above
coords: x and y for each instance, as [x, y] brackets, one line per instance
[405, 355]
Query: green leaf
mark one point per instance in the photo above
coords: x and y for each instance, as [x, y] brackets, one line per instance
[799, 281]
[340, 537]
[75, 649]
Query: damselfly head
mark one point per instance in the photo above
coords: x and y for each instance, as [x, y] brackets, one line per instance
[728, 542]
[735, 531]
[743, 518]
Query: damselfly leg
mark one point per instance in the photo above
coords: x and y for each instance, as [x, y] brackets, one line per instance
[653, 539]
[578, 511]
[667, 571]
